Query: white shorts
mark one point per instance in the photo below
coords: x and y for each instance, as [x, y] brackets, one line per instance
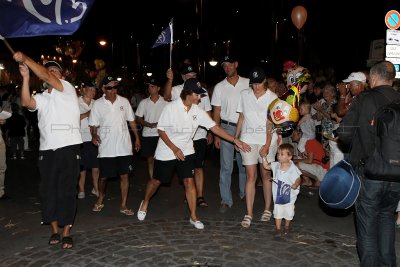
[285, 211]
[253, 157]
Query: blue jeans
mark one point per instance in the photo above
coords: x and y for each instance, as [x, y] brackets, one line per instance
[375, 215]
[226, 167]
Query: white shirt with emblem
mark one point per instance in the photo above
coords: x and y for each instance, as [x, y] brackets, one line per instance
[204, 105]
[113, 129]
[180, 126]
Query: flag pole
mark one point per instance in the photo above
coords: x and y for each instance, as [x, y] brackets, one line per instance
[7, 44]
[171, 23]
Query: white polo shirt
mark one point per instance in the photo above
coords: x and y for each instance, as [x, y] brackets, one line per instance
[204, 105]
[85, 129]
[226, 96]
[150, 112]
[255, 113]
[114, 132]
[58, 117]
[180, 127]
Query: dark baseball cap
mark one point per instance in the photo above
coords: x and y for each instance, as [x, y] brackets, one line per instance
[89, 83]
[153, 81]
[187, 69]
[257, 75]
[52, 64]
[194, 85]
[109, 79]
[228, 58]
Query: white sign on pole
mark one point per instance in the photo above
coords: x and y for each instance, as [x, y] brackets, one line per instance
[392, 37]
[392, 50]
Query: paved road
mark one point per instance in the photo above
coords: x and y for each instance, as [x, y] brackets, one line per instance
[320, 237]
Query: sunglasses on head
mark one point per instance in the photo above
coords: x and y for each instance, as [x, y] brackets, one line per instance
[111, 87]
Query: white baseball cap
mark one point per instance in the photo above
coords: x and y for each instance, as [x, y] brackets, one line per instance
[356, 76]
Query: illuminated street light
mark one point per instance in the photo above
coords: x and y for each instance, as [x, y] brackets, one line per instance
[213, 62]
[102, 42]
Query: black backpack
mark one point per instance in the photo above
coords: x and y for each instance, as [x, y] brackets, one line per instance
[384, 164]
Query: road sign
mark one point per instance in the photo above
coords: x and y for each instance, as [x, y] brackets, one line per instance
[392, 19]
[393, 37]
[392, 50]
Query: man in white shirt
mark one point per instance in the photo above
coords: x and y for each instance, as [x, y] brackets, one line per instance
[108, 123]
[147, 114]
[225, 100]
[202, 137]
[60, 139]
[176, 126]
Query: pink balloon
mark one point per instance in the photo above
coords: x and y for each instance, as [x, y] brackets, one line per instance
[299, 16]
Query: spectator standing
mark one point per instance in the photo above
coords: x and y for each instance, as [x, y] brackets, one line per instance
[89, 151]
[3, 165]
[225, 101]
[109, 128]
[15, 132]
[378, 199]
[351, 87]
[60, 139]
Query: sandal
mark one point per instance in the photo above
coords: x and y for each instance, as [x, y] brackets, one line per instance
[246, 221]
[127, 212]
[54, 239]
[201, 202]
[266, 216]
[98, 207]
[67, 242]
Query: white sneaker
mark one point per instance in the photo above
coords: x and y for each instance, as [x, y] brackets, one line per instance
[141, 215]
[94, 192]
[197, 224]
[81, 195]
[14, 157]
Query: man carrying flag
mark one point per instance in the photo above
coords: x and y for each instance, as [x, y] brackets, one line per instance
[60, 139]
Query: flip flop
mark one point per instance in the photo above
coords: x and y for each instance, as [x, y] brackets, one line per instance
[98, 207]
[127, 212]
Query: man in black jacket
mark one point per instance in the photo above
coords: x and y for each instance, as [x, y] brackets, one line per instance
[378, 199]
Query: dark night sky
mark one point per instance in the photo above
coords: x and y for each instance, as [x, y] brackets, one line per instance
[337, 33]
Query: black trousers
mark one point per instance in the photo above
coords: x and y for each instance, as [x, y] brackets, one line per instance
[59, 172]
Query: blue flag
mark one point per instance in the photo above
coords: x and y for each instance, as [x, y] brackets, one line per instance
[26, 18]
[165, 37]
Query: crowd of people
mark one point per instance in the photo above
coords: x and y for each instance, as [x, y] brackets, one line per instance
[173, 125]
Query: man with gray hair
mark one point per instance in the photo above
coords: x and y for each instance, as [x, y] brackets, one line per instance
[378, 199]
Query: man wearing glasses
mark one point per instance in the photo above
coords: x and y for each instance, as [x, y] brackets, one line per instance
[108, 124]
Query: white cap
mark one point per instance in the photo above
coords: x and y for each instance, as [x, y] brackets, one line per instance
[356, 76]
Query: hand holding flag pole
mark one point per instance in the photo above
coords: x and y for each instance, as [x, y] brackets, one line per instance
[7, 44]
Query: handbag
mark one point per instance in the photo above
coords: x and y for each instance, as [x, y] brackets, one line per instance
[340, 187]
